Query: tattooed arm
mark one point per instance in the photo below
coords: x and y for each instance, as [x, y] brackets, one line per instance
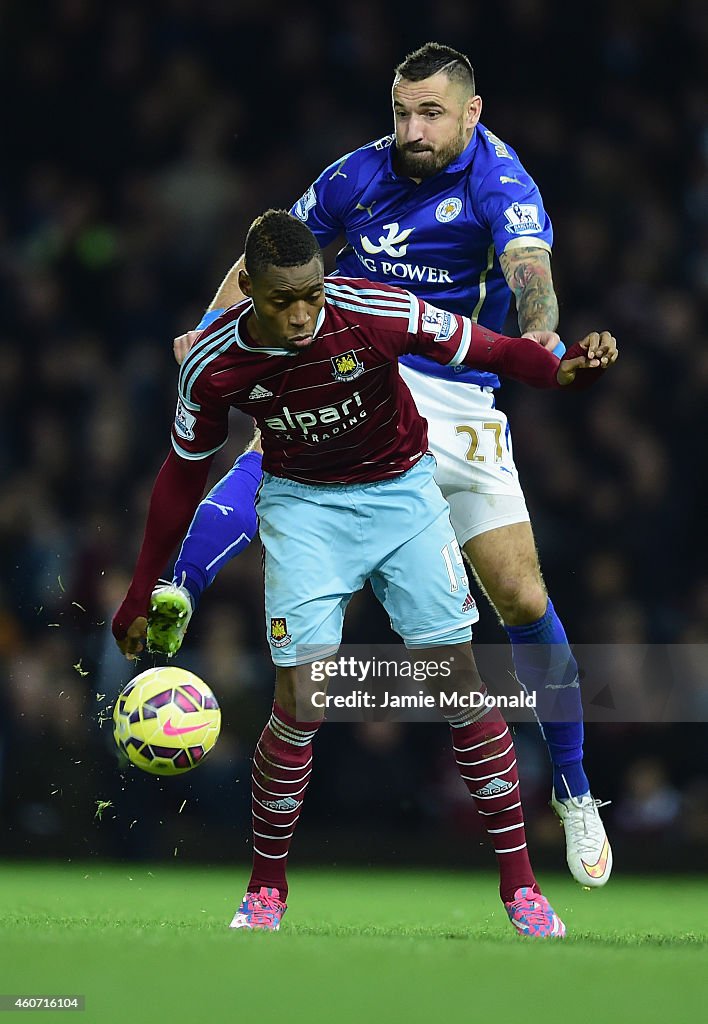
[527, 270]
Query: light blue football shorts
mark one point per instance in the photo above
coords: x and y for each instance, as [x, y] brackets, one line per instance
[323, 542]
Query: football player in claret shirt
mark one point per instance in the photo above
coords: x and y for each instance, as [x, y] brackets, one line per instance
[446, 208]
[315, 362]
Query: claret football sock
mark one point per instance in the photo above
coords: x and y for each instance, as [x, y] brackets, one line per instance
[224, 524]
[282, 765]
[485, 756]
[545, 665]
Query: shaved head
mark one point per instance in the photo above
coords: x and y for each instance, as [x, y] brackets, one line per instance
[434, 58]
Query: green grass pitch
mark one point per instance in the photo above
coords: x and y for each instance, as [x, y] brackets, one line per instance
[150, 944]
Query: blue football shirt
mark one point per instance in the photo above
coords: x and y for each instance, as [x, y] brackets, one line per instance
[440, 238]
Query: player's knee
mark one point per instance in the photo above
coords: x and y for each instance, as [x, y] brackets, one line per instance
[520, 600]
[294, 691]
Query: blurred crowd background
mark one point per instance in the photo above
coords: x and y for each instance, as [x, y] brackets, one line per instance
[139, 141]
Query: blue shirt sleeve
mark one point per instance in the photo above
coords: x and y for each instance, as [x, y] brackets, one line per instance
[322, 206]
[209, 317]
[511, 204]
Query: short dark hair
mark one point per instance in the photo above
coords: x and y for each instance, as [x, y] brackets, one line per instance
[431, 58]
[277, 239]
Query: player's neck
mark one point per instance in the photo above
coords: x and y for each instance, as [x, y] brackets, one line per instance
[253, 332]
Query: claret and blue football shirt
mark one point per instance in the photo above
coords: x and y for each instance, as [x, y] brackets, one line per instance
[337, 411]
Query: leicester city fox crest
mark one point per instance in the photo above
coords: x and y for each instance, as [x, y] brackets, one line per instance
[448, 209]
[347, 366]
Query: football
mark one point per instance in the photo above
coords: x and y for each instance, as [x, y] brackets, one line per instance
[166, 720]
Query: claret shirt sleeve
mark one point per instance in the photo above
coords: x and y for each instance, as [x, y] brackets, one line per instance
[451, 340]
[200, 428]
[201, 423]
[399, 324]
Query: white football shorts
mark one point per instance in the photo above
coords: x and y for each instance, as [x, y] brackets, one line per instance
[471, 442]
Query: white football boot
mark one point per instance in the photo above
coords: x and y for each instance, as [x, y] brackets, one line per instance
[587, 847]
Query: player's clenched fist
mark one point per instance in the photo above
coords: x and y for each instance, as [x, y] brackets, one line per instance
[597, 351]
[133, 643]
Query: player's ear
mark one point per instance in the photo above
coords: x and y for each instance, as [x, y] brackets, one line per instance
[473, 111]
[244, 283]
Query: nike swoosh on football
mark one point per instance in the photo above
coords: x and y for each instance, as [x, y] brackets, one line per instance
[597, 869]
[170, 730]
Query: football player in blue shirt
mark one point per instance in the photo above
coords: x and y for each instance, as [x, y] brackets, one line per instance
[445, 208]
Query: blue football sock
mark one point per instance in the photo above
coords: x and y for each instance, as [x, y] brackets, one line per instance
[224, 524]
[545, 665]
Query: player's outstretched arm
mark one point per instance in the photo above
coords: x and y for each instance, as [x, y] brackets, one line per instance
[528, 361]
[176, 493]
[451, 339]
